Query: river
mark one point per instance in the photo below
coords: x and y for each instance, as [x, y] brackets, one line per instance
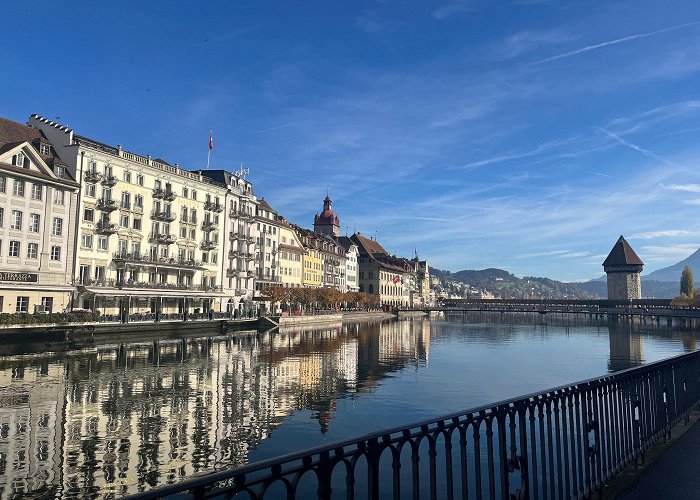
[111, 419]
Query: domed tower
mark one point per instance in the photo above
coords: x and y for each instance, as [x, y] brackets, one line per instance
[327, 222]
[624, 268]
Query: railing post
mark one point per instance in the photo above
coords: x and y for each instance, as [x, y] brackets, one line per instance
[372, 455]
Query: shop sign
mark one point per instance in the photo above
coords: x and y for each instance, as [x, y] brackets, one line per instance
[19, 277]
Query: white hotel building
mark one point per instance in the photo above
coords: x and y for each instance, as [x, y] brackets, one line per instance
[153, 239]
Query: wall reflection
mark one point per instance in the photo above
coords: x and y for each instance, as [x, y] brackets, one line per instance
[117, 419]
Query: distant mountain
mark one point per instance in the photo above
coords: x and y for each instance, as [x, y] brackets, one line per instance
[673, 273]
[504, 284]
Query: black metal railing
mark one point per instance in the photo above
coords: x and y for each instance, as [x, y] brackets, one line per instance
[561, 443]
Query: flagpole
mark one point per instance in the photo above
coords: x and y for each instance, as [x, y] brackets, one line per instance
[211, 146]
[208, 155]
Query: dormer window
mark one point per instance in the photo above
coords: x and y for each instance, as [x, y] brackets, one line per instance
[19, 160]
[44, 149]
[59, 171]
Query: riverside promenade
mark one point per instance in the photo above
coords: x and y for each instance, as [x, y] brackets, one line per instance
[671, 473]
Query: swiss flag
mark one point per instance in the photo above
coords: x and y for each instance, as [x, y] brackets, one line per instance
[211, 140]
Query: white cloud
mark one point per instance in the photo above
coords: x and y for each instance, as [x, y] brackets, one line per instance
[526, 41]
[669, 233]
[452, 8]
[689, 188]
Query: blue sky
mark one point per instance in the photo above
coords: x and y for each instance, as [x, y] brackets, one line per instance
[524, 134]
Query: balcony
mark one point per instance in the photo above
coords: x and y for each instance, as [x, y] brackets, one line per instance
[213, 206]
[125, 205]
[208, 245]
[209, 226]
[112, 283]
[162, 238]
[165, 194]
[92, 176]
[106, 227]
[232, 273]
[240, 291]
[162, 215]
[106, 205]
[109, 180]
[138, 209]
[149, 260]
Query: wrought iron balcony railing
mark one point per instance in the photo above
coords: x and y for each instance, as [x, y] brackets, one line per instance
[163, 215]
[209, 226]
[106, 227]
[92, 176]
[147, 259]
[109, 180]
[213, 206]
[106, 205]
[162, 238]
[565, 442]
[166, 194]
[208, 245]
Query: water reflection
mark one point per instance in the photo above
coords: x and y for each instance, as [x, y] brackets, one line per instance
[119, 418]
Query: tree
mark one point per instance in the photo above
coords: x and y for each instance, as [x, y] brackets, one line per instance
[687, 282]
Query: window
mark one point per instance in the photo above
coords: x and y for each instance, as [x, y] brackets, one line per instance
[45, 149]
[87, 241]
[185, 192]
[124, 221]
[18, 188]
[60, 171]
[135, 247]
[90, 190]
[107, 194]
[194, 194]
[183, 232]
[139, 180]
[46, 305]
[137, 224]
[16, 220]
[59, 197]
[2, 216]
[20, 160]
[213, 258]
[37, 191]
[205, 257]
[3, 184]
[193, 234]
[126, 200]
[156, 184]
[193, 218]
[14, 248]
[55, 252]
[164, 252]
[89, 214]
[102, 243]
[32, 250]
[57, 226]
[138, 201]
[22, 305]
[99, 272]
[34, 220]
[127, 176]
[183, 214]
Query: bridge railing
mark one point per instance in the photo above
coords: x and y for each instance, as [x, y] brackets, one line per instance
[561, 443]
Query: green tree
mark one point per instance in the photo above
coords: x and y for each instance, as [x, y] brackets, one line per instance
[687, 282]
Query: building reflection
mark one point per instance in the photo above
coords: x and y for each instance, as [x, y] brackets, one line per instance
[626, 346]
[117, 419]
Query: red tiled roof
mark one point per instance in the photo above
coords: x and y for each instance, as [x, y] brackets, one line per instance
[13, 133]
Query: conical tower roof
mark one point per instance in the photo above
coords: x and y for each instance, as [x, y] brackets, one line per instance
[622, 255]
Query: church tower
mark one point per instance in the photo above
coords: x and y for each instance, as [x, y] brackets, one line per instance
[327, 222]
[624, 268]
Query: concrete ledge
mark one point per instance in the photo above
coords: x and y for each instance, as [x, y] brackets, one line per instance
[321, 319]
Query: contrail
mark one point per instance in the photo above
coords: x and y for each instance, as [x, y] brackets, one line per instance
[613, 42]
[640, 149]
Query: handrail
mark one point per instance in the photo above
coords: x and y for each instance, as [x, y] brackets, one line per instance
[563, 442]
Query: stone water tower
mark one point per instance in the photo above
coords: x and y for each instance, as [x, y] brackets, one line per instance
[624, 268]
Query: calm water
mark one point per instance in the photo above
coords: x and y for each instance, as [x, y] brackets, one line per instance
[114, 419]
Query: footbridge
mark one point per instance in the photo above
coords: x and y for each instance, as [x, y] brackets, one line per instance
[636, 307]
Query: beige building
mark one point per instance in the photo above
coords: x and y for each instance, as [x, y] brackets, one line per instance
[382, 274]
[150, 242]
[37, 201]
[266, 257]
[291, 256]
